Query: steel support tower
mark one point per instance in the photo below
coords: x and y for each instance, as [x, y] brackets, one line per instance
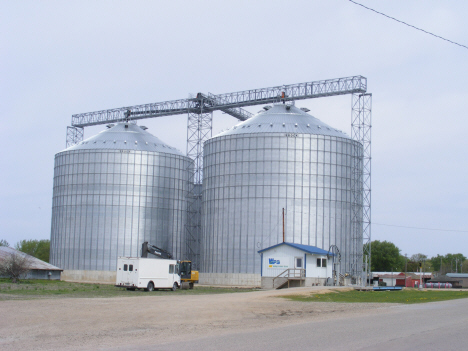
[361, 127]
[199, 129]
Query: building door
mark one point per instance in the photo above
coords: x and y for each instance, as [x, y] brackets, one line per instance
[298, 265]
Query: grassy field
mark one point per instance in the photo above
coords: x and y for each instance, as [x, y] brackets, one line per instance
[36, 289]
[404, 296]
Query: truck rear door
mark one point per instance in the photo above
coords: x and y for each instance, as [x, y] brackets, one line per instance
[127, 272]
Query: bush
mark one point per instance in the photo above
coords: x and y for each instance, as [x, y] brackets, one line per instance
[14, 266]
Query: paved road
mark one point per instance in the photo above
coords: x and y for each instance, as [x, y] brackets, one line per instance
[429, 326]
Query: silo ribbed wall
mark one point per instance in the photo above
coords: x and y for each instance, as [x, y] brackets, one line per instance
[274, 161]
[107, 202]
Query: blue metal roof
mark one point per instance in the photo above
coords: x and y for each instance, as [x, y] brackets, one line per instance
[305, 248]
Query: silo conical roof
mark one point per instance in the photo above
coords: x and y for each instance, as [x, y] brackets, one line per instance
[282, 118]
[125, 136]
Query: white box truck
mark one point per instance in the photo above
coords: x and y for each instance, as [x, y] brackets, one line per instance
[147, 273]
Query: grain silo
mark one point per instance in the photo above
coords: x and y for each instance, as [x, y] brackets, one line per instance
[111, 193]
[280, 158]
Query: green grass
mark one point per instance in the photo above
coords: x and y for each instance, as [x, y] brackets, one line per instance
[37, 289]
[407, 296]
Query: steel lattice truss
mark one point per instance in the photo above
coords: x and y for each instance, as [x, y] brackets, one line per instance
[199, 128]
[361, 126]
[230, 103]
[74, 135]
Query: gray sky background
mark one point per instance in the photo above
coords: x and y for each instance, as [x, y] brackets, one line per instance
[58, 58]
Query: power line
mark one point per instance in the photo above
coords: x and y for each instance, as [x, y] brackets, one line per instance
[409, 25]
[384, 224]
[435, 229]
[389, 225]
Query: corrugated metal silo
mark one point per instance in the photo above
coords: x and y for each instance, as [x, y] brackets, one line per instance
[113, 191]
[279, 158]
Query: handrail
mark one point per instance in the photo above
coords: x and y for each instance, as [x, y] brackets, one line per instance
[287, 274]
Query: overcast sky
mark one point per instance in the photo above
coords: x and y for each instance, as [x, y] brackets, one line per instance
[58, 58]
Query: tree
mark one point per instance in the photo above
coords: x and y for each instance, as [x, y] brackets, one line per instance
[385, 256]
[419, 259]
[455, 261]
[436, 262]
[464, 268]
[4, 243]
[449, 263]
[14, 265]
[37, 248]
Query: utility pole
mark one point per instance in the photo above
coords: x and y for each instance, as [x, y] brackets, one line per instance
[283, 224]
[420, 276]
[406, 266]
[367, 275]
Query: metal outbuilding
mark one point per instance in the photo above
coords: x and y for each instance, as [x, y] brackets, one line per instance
[295, 264]
[408, 279]
[459, 280]
[39, 269]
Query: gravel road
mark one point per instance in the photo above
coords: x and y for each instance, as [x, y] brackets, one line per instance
[133, 322]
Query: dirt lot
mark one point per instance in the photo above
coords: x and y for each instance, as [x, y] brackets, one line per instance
[106, 323]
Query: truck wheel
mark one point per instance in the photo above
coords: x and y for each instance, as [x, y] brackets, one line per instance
[174, 287]
[150, 286]
[191, 285]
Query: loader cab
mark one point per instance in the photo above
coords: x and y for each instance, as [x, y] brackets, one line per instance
[185, 269]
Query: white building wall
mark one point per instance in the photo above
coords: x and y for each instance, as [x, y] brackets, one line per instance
[312, 271]
[283, 258]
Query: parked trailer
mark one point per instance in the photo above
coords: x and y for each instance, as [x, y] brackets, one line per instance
[438, 285]
[147, 273]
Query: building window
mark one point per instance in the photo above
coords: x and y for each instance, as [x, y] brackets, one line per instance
[321, 262]
[298, 262]
[125, 267]
[130, 268]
